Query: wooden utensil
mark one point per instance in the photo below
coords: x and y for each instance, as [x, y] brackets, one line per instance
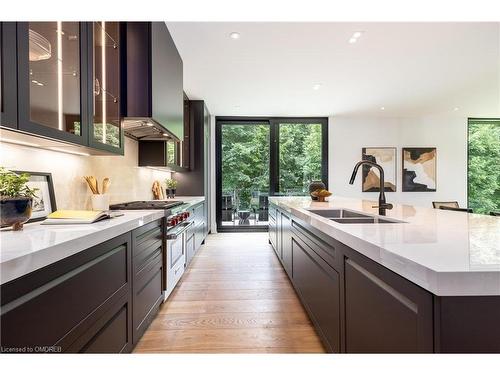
[157, 190]
[105, 185]
[92, 182]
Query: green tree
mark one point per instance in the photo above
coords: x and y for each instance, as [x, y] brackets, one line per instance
[245, 159]
[484, 167]
[299, 156]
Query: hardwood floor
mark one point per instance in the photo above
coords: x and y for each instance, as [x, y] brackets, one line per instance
[234, 298]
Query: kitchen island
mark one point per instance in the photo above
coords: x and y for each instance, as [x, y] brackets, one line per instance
[416, 280]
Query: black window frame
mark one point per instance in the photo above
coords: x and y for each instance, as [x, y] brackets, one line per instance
[273, 123]
[474, 120]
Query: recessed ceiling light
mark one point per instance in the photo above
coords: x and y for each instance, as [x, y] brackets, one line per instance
[317, 86]
[234, 35]
[354, 38]
[455, 109]
[382, 108]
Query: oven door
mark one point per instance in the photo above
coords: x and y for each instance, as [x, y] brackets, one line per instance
[176, 255]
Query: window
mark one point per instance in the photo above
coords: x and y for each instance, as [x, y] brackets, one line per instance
[260, 157]
[300, 157]
[484, 165]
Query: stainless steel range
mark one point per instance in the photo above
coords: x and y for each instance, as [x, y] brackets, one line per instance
[176, 222]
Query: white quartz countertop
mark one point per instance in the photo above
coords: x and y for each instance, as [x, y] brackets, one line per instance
[37, 245]
[447, 253]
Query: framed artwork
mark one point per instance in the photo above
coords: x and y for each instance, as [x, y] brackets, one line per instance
[419, 169]
[44, 203]
[386, 158]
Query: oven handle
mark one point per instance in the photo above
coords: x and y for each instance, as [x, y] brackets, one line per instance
[184, 226]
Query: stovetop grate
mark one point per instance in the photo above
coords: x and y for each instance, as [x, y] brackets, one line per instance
[145, 205]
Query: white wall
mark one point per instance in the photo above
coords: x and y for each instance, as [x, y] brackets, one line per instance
[446, 132]
[128, 181]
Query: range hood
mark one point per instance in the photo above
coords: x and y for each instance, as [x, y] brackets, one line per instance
[153, 106]
[146, 129]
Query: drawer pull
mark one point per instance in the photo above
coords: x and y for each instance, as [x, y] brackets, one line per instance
[53, 283]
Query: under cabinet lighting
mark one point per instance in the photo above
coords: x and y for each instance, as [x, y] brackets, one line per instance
[68, 151]
[21, 143]
[59, 76]
[29, 144]
[103, 72]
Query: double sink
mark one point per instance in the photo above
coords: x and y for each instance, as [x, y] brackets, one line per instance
[344, 216]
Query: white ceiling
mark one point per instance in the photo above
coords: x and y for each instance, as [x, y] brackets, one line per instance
[407, 68]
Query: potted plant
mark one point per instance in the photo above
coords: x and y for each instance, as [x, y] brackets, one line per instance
[171, 187]
[16, 199]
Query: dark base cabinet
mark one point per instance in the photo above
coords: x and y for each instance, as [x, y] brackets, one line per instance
[198, 232]
[100, 300]
[467, 324]
[147, 291]
[80, 303]
[359, 306]
[385, 313]
[286, 244]
[318, 285]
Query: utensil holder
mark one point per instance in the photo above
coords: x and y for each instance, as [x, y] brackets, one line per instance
[100, 202]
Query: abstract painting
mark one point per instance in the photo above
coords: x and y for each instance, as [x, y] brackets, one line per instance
[386, 158]
[419, 169]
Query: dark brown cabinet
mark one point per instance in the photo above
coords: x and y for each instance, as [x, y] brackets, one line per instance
[8, 75]
[196, 180]
[61, 82]
[195, 236]
[356, 305]
[385, 313]
[100, 300]
[154, 97]
[286, 244]
[147, 266]
[52, 80]
[104, 81]
[318, 285]
[360, 306]
[73, 304]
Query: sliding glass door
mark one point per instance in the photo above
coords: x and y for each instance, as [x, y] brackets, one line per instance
[244, 172]
[258, 158]
[300, 156]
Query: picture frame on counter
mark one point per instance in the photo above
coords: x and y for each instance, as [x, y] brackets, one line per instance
[45, 201]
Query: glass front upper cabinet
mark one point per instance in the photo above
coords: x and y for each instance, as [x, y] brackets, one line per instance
[51, 87]
[106, 130]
